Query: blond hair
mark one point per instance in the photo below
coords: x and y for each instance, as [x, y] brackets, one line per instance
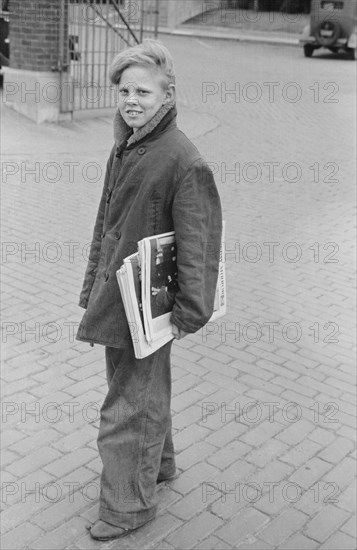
[150, 53]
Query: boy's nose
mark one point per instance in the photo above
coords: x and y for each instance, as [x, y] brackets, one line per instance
[132, 98]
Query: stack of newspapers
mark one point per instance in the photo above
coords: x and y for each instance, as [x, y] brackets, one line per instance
[148, 285]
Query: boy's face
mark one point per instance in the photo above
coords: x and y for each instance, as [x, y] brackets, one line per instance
[142, 91]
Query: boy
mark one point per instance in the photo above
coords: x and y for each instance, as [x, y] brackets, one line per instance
[156, 181]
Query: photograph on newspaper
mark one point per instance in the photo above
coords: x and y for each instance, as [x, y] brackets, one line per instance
[129, 280]
[158, 256]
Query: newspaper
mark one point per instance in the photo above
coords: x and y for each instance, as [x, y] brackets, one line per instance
[148, 284]
[129, 280]
[159, 283]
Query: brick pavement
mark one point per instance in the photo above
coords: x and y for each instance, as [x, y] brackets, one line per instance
[263, 401]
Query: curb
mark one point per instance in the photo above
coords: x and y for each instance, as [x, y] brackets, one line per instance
[221, 34]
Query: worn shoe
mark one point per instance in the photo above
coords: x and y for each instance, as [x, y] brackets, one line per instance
[102, 530]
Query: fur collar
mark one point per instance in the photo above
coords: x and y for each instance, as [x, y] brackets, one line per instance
[123, 132]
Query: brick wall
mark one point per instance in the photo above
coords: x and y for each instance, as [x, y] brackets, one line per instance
[34, 33]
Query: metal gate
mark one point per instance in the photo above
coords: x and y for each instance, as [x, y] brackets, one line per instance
[97, 30]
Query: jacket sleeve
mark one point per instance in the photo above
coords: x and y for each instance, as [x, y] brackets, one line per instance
[197, 221]
[96, 243]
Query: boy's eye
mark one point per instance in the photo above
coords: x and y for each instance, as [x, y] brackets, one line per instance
[126, 91]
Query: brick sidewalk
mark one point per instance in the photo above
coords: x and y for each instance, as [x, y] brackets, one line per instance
[264, 426]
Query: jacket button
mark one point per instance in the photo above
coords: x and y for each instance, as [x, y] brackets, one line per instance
[103, 235]
[141, 150]
[117, 235]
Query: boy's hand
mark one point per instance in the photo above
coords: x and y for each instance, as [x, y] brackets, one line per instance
[178, 332]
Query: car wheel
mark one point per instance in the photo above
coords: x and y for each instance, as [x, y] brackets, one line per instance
[327, 33]
[308, 50]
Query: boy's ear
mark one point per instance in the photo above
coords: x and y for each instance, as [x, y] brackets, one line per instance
[170, 93]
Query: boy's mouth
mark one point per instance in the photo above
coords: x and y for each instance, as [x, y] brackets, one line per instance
[133, 113]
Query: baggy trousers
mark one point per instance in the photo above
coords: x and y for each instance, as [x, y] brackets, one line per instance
[135, 440]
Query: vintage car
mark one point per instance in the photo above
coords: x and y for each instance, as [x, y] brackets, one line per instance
[333, 26]
[4, 38]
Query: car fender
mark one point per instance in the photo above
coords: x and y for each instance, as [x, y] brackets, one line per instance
[306, 33]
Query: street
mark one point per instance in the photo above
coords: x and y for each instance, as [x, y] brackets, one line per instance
[263, 400]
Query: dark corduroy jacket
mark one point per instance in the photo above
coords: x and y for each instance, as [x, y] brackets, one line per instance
[156, 181]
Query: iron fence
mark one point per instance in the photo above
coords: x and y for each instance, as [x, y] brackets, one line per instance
[96, 32]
